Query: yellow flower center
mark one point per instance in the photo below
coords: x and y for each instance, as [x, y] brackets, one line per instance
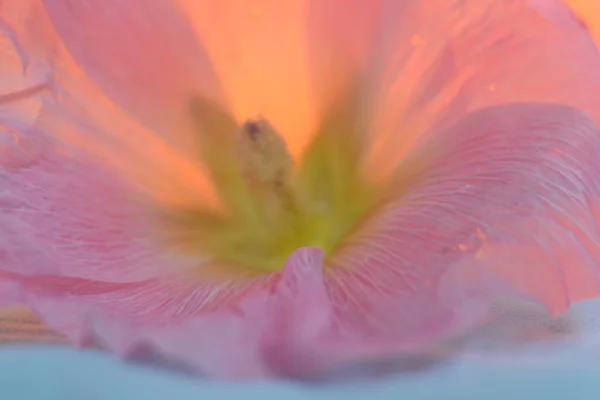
[273, 205]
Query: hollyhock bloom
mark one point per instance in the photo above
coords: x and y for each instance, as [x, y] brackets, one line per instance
[266, 188]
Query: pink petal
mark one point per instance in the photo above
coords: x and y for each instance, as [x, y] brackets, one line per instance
[145, 56]
[237, 336]
[503, 204]
[71, 110]
[66, 214]
[437, 60]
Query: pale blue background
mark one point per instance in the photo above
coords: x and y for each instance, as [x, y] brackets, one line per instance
[66, 375]
[568, 373]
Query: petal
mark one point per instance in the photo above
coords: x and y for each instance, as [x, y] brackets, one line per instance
[18, 254]
[72, 111]
[74, 216]
[21, 80]
[227, 330]
[260, 75]
[169, 299]
[503, 204]
[146, 57]
[589, 12]
[319, 50]
[438, 60]
[340, 35]
[201, 324]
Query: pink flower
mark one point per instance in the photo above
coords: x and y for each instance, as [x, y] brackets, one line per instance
[267, 188]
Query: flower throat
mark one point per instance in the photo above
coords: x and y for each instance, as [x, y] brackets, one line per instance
[273, 204]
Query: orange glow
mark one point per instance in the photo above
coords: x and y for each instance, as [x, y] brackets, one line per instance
[589, 11]
[258, 75]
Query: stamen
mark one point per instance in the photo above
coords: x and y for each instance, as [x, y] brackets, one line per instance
[266, 165]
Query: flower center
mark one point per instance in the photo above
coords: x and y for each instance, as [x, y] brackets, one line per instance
[273, 203]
